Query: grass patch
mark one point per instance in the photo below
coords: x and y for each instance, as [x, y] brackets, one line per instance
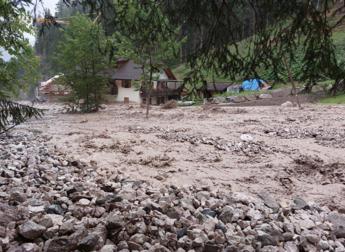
[243, 93]
[339, 99]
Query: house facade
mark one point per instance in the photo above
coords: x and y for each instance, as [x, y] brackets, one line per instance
[125, 85]
[52, 88]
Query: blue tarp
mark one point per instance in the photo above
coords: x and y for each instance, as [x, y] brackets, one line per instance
[252, 85]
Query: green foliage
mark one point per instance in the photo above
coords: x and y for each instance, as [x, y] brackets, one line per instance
[14, 24]
[12, 114]
[19, 73]
[80, 58]
[21, 70]
[338, 99]
[149, 40]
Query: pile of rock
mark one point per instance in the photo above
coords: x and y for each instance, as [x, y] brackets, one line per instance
[49, 202]
[241, 147]
[325, 136]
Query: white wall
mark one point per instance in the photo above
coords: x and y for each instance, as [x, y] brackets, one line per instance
[131, 93]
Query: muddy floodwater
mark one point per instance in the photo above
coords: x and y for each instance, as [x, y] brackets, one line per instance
[281, 150]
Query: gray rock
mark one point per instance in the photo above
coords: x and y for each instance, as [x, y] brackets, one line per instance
[312, 238]
[324, 245]
[67, 228]
[338, 222]
[291, 247]
[265, 96]
[209, 212]
[236, 99]
[58, 244]
[88, 243]
[299, 204]
[266, 239]
[55, 209]
[134, 246]
[31, 230]
[30, 247]
[197, 243]
[108, 248]
[227, 214]
[139, 238]
[46, 221]
[211, 247]
[269, 201]
[18, 196]
[84, 202]
[36, 209]
[114, 222]
[287, 104]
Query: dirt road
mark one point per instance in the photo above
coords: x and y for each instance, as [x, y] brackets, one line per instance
[285, 151]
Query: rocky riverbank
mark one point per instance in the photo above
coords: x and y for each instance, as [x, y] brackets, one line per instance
[51, 202]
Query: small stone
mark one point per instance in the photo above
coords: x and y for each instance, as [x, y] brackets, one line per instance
[266, 239]
[67, 228]
[265, 96]
[36, 209]
[139, 238]
[338, 222]
[313, 238]
[88, 243]
[219, 237]
[31, 230]
[58, 244]
[299, 204]
[269, 201]
[83, 202]
[247, 138]
[291, 247]
[226, 214]
[209, 212]
[55, 209]
[287, 104]
[324, 245]
[108, 248]
[197, 242]
[46, 221]
[134, 246]
[210, 247]
[114, 222]
[2, 231]
[18, 197]
[30, 247]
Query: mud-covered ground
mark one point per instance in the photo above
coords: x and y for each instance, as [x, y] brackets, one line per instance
[281, 150]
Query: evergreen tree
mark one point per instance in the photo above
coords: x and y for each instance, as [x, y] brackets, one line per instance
[144, 39]
[80, 58]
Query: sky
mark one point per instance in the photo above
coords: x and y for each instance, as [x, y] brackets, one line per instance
[50, 4]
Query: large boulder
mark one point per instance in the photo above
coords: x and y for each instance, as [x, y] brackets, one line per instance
[31, 230]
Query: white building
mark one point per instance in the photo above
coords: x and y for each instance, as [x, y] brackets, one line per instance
[125, 84]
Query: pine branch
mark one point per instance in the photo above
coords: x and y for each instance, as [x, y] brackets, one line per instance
[13, 114]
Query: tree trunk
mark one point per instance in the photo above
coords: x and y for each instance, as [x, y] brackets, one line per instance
[148, 98]
[294, 88]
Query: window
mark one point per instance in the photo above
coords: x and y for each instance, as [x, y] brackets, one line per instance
[113, 88]
[126, 83]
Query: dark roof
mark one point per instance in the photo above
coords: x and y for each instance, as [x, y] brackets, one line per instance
[127, 70]
[217, 86]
